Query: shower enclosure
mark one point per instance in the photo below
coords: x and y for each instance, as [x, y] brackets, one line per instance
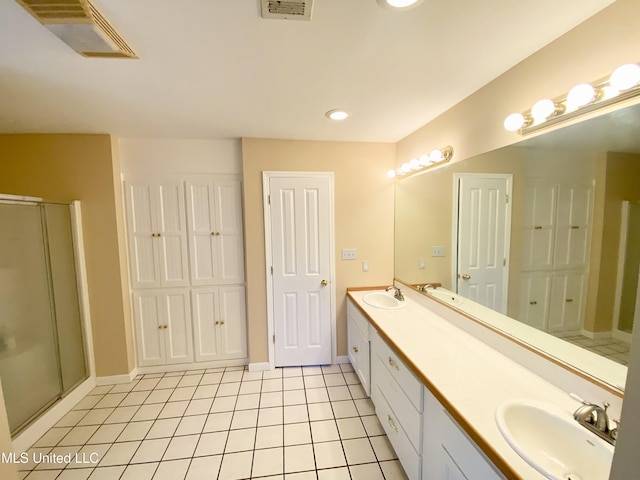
[629, 267]
[42, 351]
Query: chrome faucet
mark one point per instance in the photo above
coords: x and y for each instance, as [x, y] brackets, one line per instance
[427, 286]
[398, 294]
[595, 419]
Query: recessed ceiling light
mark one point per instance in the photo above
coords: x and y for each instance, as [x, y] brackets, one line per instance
[399, 4]
[337, 114]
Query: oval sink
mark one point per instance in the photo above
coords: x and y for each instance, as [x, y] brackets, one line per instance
[445, 296]
[552, 442]
[383, 300]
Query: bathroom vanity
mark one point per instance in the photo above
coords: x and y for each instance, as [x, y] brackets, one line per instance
[436, 391]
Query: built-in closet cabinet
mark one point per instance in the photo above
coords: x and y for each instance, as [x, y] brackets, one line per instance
[187, 268]
[556, 235]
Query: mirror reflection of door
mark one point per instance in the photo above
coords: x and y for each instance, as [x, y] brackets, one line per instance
[628, 267]
[483, 226]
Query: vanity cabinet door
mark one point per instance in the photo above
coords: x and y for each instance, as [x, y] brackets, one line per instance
[567, 299]
[535, 295]
[359, 351]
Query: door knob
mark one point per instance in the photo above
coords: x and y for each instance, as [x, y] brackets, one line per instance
[464, 276]
[355, 349]
[324, 283]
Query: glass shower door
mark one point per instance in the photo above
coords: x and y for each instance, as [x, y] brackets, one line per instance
[29, 364]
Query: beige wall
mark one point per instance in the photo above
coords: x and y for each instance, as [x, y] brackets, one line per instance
[83, 167]
[363, 219]
[587, 53]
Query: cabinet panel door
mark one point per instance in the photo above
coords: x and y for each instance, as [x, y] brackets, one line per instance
[178, 339]
[143, 254]
[206, 332]
[228, 216]
[233, 322]
[170, 210]
[535, 295]
[149, 333]
[573, 225]
[539, 221]
[359, 354]
[203, 234]
[567, 299]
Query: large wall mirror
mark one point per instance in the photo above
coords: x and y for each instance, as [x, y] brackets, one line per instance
[539, 239]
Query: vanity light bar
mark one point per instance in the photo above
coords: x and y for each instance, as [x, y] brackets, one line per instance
[422, 163]
[622, 84]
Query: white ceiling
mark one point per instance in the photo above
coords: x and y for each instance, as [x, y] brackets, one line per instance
[216, 69]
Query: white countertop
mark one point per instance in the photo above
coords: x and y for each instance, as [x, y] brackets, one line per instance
[471, 377]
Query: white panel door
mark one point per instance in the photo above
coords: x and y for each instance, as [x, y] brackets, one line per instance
[535, 296]
[233, 325]
[573, 226]
[539, 223]
[567, 298]
[148, 315]
[228, 196]
[172, 234]
[300, 240]
[206, 323]
[177, 326]
[143, 249]
[483, 236]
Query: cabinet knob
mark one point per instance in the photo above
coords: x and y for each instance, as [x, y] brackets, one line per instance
[215, 234]
[392, 423]
[160, 327]
[393, 364]
[533, 302]
[538, 227]
[575, 226]
[153, 234]
[158, 235]
[166, 326]
[355, 349]
[222, 322]
[569, 300]
[217, 323]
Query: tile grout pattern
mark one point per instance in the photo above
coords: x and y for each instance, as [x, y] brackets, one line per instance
[610, 348]
[297, 423]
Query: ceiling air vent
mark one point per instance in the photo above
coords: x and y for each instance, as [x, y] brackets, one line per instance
[81, 26]
[287, 10]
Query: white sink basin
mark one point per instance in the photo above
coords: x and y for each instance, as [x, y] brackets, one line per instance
[383, 300]
[444, 295]
[552, 442]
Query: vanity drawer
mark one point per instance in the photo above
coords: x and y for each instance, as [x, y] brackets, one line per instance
[408, 417]
[398, 370]
[358, 318]
[411, 461]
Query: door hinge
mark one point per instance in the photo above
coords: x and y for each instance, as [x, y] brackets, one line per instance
[506, 198]
[504, 262]
[271, 269]
[274, 339]
[269, 199]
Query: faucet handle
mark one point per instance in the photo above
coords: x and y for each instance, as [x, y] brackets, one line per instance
[579, 399]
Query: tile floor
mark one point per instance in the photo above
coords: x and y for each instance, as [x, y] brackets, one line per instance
[613, 349]
[227, 423]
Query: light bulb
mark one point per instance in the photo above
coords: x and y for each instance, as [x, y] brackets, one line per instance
[580, 95]
[405, 168]
[625, 77]
[435, 156]
[414, 164]
[423, 160]
[337, 114]
[391, 173]
[401, 3]
[542, 110]
[514, 122]
[609, 92]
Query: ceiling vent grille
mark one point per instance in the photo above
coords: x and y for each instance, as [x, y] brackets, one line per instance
[287, 10]
[81, 26]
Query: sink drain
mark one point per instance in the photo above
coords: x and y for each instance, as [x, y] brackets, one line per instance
[571, 476]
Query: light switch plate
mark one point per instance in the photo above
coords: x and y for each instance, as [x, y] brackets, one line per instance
[365, 265]
[437, 251]
[349, 254]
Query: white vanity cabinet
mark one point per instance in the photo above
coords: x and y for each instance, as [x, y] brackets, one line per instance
[397, 396]
[358, 344]
[448, 453]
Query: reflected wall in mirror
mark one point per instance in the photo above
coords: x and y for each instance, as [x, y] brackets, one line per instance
[571, 263]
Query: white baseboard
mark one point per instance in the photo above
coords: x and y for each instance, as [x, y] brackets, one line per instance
[596, 335]
[623, 336]
[259, 367]
[115, 379]
[192, 366]
[342, 359]
[30, 435]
